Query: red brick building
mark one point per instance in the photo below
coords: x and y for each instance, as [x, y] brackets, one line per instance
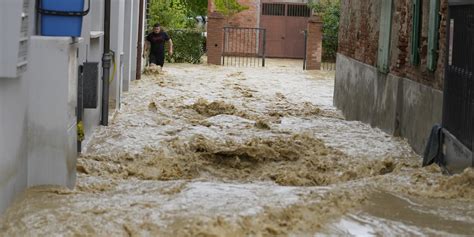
[390, 65]
[284, 21]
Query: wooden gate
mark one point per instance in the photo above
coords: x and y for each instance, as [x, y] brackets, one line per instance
[285, 24]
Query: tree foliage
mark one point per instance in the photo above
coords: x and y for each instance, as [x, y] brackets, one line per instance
[330, 12]
[169, 13]
[196, 7]
[177, 14]
[229, 7]
[177, 18]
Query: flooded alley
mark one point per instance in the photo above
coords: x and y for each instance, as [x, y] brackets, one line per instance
[202, 150]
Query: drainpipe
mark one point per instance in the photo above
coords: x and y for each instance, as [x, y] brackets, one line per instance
[106, 62]
[140, 39]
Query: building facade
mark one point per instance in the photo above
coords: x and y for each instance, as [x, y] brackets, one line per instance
[390, 65]
[39, 100]
[283, 20]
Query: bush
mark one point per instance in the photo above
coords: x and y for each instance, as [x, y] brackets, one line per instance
[330, 12]
[188, 46]
[229, 7]
[169, 13]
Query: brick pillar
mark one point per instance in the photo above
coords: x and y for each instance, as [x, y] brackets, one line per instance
[215, 38]
[314, 47]
[210, 7]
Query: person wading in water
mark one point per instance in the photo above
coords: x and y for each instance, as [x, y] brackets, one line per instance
[156, 44]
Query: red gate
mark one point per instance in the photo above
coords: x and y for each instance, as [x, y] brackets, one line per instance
[285, 24]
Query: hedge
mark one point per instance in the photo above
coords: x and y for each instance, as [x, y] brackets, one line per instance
[188, 46]
[330, 11]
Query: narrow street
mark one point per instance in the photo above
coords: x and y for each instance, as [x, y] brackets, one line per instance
[220, 151]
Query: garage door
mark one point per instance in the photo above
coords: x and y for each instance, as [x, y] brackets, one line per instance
[285, 23]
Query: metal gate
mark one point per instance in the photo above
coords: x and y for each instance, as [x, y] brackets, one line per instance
[458, 111]
[244, 47]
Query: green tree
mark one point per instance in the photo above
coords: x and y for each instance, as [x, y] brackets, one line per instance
[170, 14]
[330, 12]
[196, 7]
[229, 8]
[177, 17]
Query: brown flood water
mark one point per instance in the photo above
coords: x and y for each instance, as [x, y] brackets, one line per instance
[213, 151]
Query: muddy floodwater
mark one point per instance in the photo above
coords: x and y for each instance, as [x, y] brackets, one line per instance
[203, 150]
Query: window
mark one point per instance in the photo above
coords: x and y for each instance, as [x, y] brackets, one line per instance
[433, 35]
[273, 9]
[415, 36]
[299, 10]
[383, 58]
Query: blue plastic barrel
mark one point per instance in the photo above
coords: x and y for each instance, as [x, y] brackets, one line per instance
[55, 20]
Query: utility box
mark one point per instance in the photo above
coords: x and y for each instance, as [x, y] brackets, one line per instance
[14, 28]
[91, 85]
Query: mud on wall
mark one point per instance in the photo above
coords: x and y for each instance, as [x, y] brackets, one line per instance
[359, 35]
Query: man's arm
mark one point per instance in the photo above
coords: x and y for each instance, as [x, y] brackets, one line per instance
[171, 47]
[147, 47]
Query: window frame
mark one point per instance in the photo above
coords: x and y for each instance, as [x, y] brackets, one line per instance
[416, 32]
[433, 35]
[385, 36]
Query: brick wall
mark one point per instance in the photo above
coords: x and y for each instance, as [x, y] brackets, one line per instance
[215, 38]
[247, 18]
[314, 47]
[241, 43]
[359, 35]
[359, 30]
[248, 42]
[401, 45]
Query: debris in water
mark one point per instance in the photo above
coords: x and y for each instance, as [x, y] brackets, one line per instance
[152, 70]
[262, 125]
[152, 106]
[256, 157]
[210, 109]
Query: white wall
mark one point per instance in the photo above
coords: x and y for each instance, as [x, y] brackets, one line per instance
[116, 45]
[37, 110]
[25, 104]
[13, 134]
[13, 140]
[52, 121]
[144, 30]
[133, 65]
[127, 44]
[91, 50]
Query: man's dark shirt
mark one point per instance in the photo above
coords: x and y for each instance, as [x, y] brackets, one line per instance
[157, 42]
